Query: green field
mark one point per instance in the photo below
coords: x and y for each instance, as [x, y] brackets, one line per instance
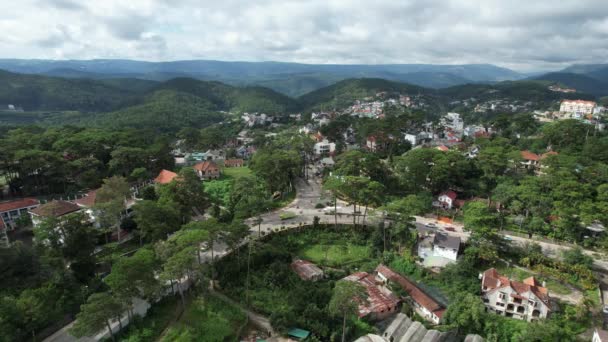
[337, 254]
[236, 172]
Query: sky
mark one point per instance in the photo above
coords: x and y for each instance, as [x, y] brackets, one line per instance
[524, 35]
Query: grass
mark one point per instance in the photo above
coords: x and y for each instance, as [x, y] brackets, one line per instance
[236, 172]
[207, 319]
[155, 322]
[337, 254]
[287, 215]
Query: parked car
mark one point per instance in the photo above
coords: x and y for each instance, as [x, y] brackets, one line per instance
[450, 229]
[431, 225]
[507, 238]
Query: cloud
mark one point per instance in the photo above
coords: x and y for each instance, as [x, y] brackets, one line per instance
[521, 34]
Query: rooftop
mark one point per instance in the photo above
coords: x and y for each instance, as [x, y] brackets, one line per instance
[165, 177]
[380, 298]
[55, 209]
[527, 155]
[206, 166]
[88, 200]
[446, 241]
[306, 270]
[18, 204]
[492, 280]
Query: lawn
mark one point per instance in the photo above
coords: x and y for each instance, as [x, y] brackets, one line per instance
[236, 172]
[207, 319]
[337, 254]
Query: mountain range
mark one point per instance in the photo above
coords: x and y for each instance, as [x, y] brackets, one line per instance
[293, 79]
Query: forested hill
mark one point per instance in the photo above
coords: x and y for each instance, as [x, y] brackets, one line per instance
[33, 92]
[536, 91]
[229, 98]
[580, 82]
[344, 93]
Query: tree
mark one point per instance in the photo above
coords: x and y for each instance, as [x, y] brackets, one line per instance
[187, 192]
[467, 313]
[155, 220]
[576, 256]
[278, 168]
[133, 277]
[179, 265]
[345, 301]
[110, 202]
[96, 313]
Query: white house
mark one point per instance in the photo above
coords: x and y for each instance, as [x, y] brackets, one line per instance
[526, 300]
[446, 199]
[577, 107]
[446, 246]
[412, 138]
[11, 211]
[324, 148]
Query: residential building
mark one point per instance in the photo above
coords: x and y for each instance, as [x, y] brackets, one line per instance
[11, 211]
[380, 302]
[426, 306]
[453, 121]
[234, 163]
[306, 270]
[412, 138]
[214, 155]
[526, 300]
[165, 177]
[324, 148]
[443, 148]
[53, 209]
[446, 246]
[530, 160]
[577, 107]
[207, 170]
[446, 200]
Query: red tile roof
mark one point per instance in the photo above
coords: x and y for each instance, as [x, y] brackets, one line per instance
[443, 148]
[451, 194]
[233, 162]
[527, 155]
[413, 290]
[88, 200]
[55, 209]
[18, 204]
[492, 281]
[207, 165]
[548, 154]
[165, 177]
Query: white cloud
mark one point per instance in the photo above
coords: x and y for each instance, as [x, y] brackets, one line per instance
[516, 33]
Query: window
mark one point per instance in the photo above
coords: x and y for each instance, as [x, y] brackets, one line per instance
[500, 304]
[502, 295]
[15, 213]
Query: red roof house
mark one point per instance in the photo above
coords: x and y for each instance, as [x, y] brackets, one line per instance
[10, 211]
[380, 303]
[207, 170]
[165, 177]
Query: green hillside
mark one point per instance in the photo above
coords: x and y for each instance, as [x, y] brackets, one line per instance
[163, 110]
[344, 93]
[229, 98]
[580, 82]
[33, 92]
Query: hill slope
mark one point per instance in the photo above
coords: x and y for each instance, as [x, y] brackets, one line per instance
[344, 93]
[580, 82]
[52, 93]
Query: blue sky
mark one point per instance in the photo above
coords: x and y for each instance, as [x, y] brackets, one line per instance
[524, 35]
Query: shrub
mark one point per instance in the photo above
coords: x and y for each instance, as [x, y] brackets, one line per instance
[319, 206]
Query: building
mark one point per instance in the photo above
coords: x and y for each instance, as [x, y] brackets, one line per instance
[207, 170]
[53, 209]
[234, 163]
[529, 160]
[453, 121]
[165, 177]
[600, 335]
[446, 200]
[412, 138]
[324, 148]
[11, 211]
[577, 108]
[446, 246]
[425, 305]
[526, 300]
[306, 270]
[380, 302]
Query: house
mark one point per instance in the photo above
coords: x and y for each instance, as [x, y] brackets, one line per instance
[526, 300]
[207, 170]
[165, 177]
[324, 148]
[600, 335]
[52, 209]
[234, 163]
[412, 138]
[11, 211]
[380, 302]
[425, 305]
[446, 246]
[446, 200]
[577, 108]
[306, 270]
[530, 160]
[214, 155]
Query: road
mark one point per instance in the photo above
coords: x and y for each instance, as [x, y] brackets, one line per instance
[308, 194]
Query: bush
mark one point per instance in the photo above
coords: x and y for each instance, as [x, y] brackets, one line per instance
[319, 206]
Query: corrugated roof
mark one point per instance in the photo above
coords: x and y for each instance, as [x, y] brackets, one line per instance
[306, 270]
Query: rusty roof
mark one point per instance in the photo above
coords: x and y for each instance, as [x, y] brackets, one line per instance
[18, 204]
[379, 298]
[88, 200]
[306, 270]
[413, 290]
[55, 209]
